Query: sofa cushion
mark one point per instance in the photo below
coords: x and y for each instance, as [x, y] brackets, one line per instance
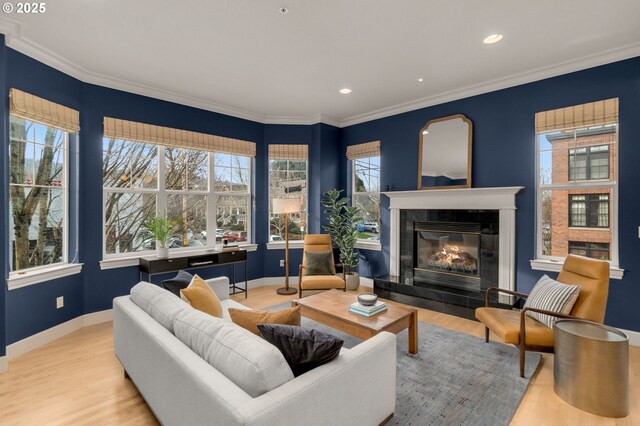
[250, 318]
[303, 348]
[250, 362]
[177, 283]
[199, 295]
[159, 303]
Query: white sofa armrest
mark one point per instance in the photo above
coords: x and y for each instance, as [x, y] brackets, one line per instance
[220, 286]
[359, 387]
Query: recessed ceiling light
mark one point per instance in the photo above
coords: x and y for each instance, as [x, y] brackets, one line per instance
[345, 91]
[420, 80]
[493, 38]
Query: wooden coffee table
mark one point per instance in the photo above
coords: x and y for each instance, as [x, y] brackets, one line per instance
[332, 308]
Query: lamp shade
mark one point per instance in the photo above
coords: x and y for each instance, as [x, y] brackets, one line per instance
[286, 205]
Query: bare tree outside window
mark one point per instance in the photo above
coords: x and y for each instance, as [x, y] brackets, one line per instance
[288, 179]
[366, 195]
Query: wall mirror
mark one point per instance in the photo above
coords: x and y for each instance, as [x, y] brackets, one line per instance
[444, 158]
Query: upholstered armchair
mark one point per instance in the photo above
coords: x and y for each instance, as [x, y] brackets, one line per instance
[516, 327]
[316, 243]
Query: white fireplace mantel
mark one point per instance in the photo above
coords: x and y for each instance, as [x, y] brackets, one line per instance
[501, 199]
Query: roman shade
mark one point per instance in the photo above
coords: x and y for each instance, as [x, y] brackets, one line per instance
[288, 152]
[363, 150]
[578, 116]
[167, 136]
[31, 107]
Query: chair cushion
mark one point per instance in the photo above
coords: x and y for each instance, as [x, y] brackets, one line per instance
[250, 318]
[159, 303]
[552, 296]
[321, 282]
[177, 283]
[202, 297]
[249, 361]
[319, 263]
[303, 348]
[505, 324]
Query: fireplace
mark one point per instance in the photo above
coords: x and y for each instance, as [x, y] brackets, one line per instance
[447, 254]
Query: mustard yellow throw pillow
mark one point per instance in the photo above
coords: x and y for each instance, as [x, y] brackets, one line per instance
[202, 297]
[250, 319]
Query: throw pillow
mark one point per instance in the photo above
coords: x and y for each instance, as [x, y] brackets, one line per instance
[201, 297]
[177, 283]
[303, 348]
[553, 296]
[250, 319]
[319, 263]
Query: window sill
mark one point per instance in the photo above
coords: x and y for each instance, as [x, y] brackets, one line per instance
[369, 245]
[129, 261]
[280, 245]
[555, 266]
[40, 275]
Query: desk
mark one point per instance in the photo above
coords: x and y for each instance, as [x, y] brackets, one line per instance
[153, 266]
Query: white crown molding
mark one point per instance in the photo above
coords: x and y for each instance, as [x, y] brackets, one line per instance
[14, 38]
[590, 61]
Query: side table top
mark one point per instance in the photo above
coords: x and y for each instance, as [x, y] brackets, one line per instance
[591, 330]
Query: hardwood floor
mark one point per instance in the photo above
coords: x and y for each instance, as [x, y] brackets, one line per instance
[77, 380]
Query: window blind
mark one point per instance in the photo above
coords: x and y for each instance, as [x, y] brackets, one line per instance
[362, 150]
[578, 116]
[288, 152]
[167, 136]
[31, 107]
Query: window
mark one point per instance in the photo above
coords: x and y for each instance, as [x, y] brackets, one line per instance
[288, 179]
[37, 194]
[589, 163]
[577, 181]
[589, 210]
[366, 195]
[593, 250]
[206, 193]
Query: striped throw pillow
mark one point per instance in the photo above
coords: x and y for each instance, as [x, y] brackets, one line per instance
[550, 295]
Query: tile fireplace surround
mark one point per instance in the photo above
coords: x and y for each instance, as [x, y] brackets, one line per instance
[501, 200]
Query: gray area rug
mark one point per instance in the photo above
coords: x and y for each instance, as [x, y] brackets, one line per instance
[455, 379]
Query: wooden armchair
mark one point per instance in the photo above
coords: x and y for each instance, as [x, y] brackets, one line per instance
[318, 243]
[516, 327]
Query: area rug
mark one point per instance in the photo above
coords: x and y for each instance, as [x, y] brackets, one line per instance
[455, 379]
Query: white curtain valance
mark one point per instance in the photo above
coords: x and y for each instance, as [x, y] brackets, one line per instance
[31, 107]
[363, 150]
[578, 116]
[288, 152]
[167, 136]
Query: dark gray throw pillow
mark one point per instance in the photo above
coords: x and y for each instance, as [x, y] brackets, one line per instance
[319, 263]
[177, 283]
[303, 348]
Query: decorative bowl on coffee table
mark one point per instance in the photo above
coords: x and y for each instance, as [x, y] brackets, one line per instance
[367, 299]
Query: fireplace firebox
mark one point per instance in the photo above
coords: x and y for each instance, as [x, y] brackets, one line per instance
[447, 254]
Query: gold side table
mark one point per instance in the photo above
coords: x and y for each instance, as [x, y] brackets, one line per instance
[591, 367]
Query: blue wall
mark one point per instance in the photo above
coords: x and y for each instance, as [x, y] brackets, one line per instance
[504, 155]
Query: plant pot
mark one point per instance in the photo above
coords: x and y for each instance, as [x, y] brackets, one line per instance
[162, 252]
[353, 281]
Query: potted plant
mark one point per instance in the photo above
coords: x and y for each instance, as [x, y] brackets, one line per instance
[161, 228]
[342, 220]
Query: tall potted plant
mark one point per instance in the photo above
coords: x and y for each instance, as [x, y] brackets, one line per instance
[161, 228]
[342, 220]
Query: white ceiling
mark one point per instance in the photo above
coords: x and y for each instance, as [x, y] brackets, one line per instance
[245, 58]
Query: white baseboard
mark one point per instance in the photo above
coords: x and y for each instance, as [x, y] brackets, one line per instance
[30, 343]
[634, 337]
[4, 364]
[293, 282]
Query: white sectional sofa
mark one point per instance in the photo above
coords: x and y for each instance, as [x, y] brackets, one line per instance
[182, 388]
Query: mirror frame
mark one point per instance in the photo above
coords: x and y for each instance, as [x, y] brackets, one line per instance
[469, 152]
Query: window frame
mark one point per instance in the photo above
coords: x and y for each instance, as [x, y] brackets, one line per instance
[587, 247]
[17, 275]
[354, 193]
[161, 205]
[269, 198]
[542, 259]
[587, 154]
[590, 202]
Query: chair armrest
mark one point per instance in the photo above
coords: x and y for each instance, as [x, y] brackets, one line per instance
[302, 271]
[502, 290]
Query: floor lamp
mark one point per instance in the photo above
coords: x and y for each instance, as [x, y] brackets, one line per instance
[286, 206]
